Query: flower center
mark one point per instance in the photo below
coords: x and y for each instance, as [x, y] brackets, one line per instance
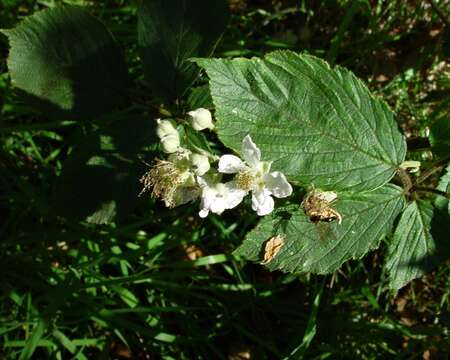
[164, 178]
[245, 180]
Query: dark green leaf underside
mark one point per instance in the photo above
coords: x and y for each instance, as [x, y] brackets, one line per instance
[172, 31]
[322, 248]
[412, 251]
[440, 136]
[66, 63]
[319, 125]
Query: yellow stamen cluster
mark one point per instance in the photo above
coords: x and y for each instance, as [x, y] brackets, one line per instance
[245, 180]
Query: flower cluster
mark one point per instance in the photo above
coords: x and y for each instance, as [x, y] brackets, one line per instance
[187, 175]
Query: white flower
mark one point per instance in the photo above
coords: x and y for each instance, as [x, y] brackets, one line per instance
[218, 197]
[200, 164]
[170, 143]
[201, 119]
[168, 135]
[254, 175]
[165, 128]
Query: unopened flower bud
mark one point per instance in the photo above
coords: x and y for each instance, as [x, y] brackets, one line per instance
[201, 119]
[165, 128]
[170, 143]
[200, 164]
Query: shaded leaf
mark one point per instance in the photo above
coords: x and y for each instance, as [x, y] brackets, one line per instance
[100, 179]
[319, 125]
[439, 135]
[66, 62]
[322, 247]
[441, 202]
[411, 252]
[172, 31]
[200, 97]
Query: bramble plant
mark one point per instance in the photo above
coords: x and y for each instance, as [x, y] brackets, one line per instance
[310, 135]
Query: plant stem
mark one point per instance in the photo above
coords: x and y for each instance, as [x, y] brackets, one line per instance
[435, 168]
[406, 180]
[433, 191]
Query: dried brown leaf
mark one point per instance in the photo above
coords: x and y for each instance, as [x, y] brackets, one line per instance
[272, 247]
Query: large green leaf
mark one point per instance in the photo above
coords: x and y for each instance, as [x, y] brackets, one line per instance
[322, 247]
[66, 62]
[100, 179]
[172, 31]
[319, 125]
[412, 251]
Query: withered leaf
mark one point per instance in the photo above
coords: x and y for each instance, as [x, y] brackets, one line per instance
[272, 247]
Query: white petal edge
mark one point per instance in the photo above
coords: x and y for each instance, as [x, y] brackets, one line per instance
[262, 202]
[277, 184]
[250, 152]
[230, 164]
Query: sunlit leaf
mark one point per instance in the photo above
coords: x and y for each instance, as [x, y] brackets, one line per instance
[322, 247]
[319, 125]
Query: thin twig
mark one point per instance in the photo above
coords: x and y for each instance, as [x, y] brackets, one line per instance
[434, 191]
[435, 168]
[439, 12]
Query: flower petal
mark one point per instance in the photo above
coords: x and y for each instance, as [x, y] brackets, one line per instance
[203, 213]
[277, 184]
[230, 164]
[218, 206]
[250, 152]
[262, 202]
[235, 195]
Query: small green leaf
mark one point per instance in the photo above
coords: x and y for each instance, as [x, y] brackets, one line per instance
[100, 179]
[411, 252]
[200, 97]
[319, 125]
[172, 31]
[66, 62]
[33, 340]
[322, 247]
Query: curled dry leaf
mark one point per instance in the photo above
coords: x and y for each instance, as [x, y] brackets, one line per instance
[317, 206]
[272, 247]
[193, 252]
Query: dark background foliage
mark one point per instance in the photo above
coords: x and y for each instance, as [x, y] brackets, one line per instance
[160, 283]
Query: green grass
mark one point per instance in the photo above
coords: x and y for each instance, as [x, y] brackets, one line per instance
[163, 283]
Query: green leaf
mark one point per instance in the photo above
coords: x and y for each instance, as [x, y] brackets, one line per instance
[172, 31]
[66, 63]
[200, 97]
[100, 179]
[412, 250]
[322, 247]
[319, 125]
[439, 135]
[33, 340]
[441, 202]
